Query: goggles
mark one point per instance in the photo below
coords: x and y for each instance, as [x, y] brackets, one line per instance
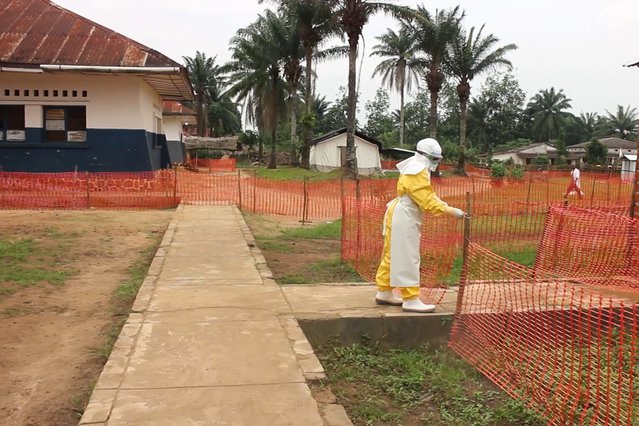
[433, 159]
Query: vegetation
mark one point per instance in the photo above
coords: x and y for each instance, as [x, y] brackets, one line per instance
[271, 74]
[416, 386]
[25, 263]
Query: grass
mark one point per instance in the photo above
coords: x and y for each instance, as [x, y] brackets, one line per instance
[25, 263]
[295, 174]
[325, 271]
[416, 386]
[523, 254]
[323, 231]
[125, 294]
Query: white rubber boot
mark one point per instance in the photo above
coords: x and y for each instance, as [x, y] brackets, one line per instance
[388, 298]
[416, 305]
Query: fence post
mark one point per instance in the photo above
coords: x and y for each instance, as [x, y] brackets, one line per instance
[633, 196]
[528, 193]
[358, 228]
[175, 181]
[254, 188]
[463, 279]
[239, 188]
[592, 193]
[305, 202]
[86, 174]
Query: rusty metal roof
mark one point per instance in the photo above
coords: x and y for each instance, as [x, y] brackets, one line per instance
[34, 33]
[176, 108]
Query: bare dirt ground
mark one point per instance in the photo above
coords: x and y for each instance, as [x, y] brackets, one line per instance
[52, 335]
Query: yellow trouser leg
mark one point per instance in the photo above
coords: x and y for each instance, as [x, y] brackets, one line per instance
[409, 293]
[382, 278]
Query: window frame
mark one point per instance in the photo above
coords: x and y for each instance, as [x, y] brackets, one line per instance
[67, 118]
[4, 113]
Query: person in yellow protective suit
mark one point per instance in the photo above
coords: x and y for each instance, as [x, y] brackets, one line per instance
[399, 266]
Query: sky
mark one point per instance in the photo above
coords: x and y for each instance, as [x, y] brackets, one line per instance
[580, 46]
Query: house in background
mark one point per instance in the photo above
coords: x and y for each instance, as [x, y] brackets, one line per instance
[525, 155]
[616, 147]
[176, 117]
[75, 95]
[328, 152]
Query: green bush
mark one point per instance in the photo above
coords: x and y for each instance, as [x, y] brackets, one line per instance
[497, 170]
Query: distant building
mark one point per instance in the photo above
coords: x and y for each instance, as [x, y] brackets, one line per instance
[617, 148]
[77, 95]
[525, 155]
[328, 152]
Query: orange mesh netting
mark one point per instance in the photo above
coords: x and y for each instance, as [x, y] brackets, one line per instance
[548, 336]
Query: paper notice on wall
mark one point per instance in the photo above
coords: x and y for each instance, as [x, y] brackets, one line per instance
[77, 136]
[55, 125]
[16, 135]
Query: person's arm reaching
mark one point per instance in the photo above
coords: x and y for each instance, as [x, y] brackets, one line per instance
[420, 190]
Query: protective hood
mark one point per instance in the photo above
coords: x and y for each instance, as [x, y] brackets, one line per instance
[414, 165]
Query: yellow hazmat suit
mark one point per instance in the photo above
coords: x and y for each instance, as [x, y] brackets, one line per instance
[399, 266]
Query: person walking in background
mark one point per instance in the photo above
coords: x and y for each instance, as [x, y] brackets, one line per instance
[399, 266]
[575, 183]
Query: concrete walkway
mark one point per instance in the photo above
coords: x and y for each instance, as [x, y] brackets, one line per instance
[213, 340]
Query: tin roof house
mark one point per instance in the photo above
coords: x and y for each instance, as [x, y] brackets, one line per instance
[75, 95]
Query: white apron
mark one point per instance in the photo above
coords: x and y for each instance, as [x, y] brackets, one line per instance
[406, 233]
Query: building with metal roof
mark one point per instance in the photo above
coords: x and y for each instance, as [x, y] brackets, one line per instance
[75, 95]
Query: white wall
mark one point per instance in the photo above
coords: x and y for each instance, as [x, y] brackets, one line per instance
[113, 102]
[326, 154]
[507, 156]
[173, 128]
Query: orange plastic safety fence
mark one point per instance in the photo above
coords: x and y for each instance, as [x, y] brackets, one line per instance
[548, 336]
[575, 246]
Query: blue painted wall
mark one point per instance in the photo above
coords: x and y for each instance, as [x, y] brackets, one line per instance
[106, 150]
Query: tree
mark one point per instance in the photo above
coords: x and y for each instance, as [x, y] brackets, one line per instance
[378, 120]
[351, 16]
[203, 73]
[315, 23]
[547, 108]
[472, 55]
[336, 115]
[622, 124]
[434, 34]
[590, 125]
[257, 53]
[596, 152]
[400, 69]
[417, 117]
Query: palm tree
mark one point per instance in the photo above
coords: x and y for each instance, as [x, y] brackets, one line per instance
[400, 69]
[314, 25]
[256, 73]
[590, 125]
[471, 56]
[351, 16]
[547, 109]
[434, 34]
[623, 123]
[203, 74]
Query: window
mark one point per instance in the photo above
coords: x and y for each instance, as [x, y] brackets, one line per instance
[12, 123]
[65, 124]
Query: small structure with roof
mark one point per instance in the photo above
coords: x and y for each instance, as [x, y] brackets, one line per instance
[328, 152]
[524, 155]
[616, 147]
[75, 95]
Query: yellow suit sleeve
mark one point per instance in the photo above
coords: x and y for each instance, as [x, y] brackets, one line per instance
[419, 188]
